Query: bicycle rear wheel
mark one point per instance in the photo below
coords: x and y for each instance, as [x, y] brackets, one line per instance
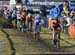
[58, 40]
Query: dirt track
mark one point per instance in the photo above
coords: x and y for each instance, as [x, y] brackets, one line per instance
[23, 43]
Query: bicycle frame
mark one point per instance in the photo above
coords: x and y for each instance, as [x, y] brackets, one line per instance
[57, 39]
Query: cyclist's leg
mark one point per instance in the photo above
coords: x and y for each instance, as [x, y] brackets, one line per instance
[28, 24]
[19, 24]
[31, 25]
[38, 35]
[14, 23]
[22, 24]
[35, 34]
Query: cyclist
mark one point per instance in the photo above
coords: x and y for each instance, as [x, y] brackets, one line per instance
[29, 19]
[38, 22]
[55, 14]
[23, 20]
[14, 19]
[56, 28]
[18, 20]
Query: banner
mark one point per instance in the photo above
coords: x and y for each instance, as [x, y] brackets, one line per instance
[55, 12]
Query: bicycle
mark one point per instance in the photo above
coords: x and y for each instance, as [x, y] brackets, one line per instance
[57, 39]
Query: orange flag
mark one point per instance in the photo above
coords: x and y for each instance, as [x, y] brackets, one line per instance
[71, 31]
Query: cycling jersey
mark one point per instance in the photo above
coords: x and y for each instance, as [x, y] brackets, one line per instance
[54, 24]
[23, 16]
[38, 24]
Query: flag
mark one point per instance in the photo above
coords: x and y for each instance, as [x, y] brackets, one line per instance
[66, 8]
[55, 12]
